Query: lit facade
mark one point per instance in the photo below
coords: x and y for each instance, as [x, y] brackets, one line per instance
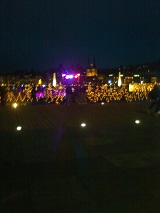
[91, 70]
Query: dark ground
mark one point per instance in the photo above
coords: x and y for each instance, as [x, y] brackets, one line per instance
[55, 165]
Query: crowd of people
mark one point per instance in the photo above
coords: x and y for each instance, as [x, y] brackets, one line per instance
[61, 94]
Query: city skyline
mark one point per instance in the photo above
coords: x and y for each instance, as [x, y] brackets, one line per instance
[40, 35]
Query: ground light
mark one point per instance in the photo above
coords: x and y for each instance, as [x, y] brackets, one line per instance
[137, 121]
[102, 103]
[19, 128]
[15, 105]
[83, 124]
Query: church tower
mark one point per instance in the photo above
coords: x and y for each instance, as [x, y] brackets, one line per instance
[91, 69]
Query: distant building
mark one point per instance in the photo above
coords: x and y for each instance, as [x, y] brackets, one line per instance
[128, 79]
[91, 70]
[9, 79]
[3, 80]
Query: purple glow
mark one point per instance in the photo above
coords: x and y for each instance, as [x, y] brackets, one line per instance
[77, 75]
[40, 94]
[69, 76]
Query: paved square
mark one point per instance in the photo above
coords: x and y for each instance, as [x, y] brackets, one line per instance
[55, 165]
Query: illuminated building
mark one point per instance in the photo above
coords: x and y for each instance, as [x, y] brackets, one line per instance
[91, 70]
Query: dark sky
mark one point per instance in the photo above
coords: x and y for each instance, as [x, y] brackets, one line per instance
[41, 34]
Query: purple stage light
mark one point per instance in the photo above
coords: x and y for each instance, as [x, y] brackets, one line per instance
[69, 76]
[39, 94]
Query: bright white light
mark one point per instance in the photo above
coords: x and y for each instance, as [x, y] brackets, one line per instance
[83, 124]
[119, 79]
[15, 105]
[54, 80]
[19, 128]
[102, 103]
[137, 121]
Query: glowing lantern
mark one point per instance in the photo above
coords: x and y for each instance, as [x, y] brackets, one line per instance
[40, 82]
[131, 88]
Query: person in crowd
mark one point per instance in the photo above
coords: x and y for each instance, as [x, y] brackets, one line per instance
[154, 95]
[2, 95]
[68, 95]
[33, 95]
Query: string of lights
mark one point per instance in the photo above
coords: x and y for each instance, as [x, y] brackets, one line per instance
[57, 95]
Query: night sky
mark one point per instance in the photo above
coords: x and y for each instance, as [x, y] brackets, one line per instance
[41, 34]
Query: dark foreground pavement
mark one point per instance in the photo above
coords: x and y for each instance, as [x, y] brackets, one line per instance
[55, 165]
